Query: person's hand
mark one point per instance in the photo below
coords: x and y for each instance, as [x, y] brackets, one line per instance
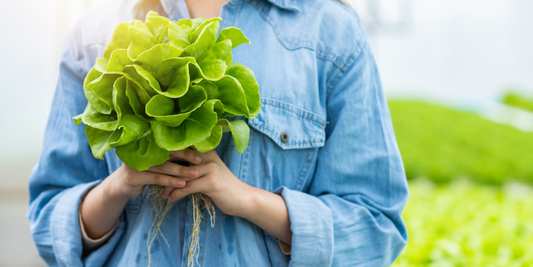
[103, 204]
[215, 180]
[129, 183]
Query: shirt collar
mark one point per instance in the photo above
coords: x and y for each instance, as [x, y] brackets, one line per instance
[291, 5]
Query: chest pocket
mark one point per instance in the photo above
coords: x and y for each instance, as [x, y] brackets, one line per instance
[284, 140]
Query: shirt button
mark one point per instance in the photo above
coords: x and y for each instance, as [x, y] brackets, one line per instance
[284, 137]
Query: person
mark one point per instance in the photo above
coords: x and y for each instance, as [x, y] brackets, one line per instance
[320, 184]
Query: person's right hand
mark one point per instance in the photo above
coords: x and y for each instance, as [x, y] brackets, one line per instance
[129, 183]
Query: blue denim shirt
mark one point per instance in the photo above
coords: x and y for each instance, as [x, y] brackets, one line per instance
[340, 171]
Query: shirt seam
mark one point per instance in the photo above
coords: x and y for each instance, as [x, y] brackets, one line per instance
[172, 9]
[302, 171]
[237, 12]
[242, 173]
[340, 73]
[78, 54]
[319, 120]
[303, 144]
[91, 44]
[76, 39]
[309, 164]
[339, 63]
[386, 146]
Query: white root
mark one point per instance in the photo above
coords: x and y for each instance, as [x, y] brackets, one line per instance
[160, 209]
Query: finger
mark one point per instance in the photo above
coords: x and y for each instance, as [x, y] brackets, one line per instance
[195, 186]
[205, 168]
[188, 155]
[210, 155]
[161, 179]
[166, 191]
[170, 168]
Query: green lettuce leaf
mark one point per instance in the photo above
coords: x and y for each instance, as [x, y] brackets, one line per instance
[100, 141]
[101, 65]
[210, 88]
[198, 26]
[119, 59]
[141, 39]
[234, 34]
[212, 141]
[100, 92]
[130, 125]
[214, 62]
[142, 153]
[163, 109]
[232, 96]
[240, 132]
[173, 74]
[178, 36]
[212, 58]
[249, 84]
[158, 53]
[142, 78]
[98, 120]
[158, 26]
[120, 40]
[120, 100]
[196, 128]
[131, 128]
[100, 105]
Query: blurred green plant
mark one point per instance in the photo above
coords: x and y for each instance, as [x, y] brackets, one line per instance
[516, 100]
[464, 224]
[442, 144]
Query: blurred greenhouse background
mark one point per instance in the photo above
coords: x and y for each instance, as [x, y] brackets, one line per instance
[459, 78]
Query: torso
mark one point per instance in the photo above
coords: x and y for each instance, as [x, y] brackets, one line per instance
[295, 58]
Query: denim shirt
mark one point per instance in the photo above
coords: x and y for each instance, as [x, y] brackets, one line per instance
[323, 141]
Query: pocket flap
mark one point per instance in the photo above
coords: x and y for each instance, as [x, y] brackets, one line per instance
[289, 126]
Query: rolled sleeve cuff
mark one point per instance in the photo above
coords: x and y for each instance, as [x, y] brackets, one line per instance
[67, 234]
[312, 229]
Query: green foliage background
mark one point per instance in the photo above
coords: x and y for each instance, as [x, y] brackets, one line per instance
[442, 144]
[470, 194]
[518, 101]
[465, 224]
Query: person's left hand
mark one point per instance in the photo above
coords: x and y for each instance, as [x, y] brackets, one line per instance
[215, 180]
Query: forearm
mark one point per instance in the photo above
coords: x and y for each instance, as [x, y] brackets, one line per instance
[268, 211]
[236, 198]
[101, 209]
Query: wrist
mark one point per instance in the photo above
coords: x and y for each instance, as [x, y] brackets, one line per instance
[101, 208]
[249, 201]
[111, 188]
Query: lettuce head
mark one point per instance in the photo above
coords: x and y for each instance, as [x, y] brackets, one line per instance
[166, 85]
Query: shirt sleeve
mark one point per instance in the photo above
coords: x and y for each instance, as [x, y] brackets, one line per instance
[351, 215]
[65, 172]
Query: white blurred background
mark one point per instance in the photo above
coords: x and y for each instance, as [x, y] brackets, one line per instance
[446, 50]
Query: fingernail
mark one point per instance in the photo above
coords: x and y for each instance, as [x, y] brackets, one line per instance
[170, 198]
[197, 159]
[192, 172]
[181, 183]
[164, 195]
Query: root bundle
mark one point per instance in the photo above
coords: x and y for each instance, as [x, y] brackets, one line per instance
[162, 206]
